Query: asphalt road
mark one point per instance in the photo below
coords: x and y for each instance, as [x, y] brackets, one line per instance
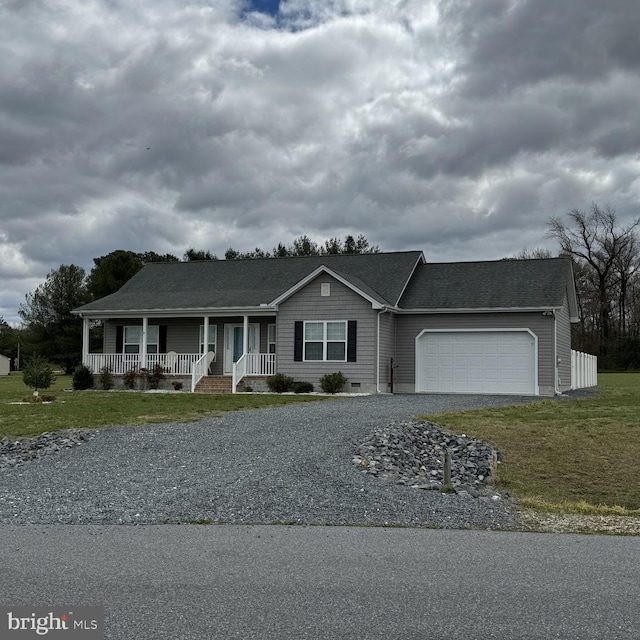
[284, 582]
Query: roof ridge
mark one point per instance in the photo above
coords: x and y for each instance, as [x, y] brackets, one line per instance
[501, 260]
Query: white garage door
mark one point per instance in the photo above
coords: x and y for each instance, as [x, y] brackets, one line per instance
[476, 362]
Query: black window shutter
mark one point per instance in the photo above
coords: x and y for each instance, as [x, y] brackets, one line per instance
[119, 338]
[162, 336]
[297, 341]
[352, 326]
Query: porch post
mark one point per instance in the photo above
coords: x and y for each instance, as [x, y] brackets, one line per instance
[85, 340]
[205, 335]
[245, 335]
[143, 347]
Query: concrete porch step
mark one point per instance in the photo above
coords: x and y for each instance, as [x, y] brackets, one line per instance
[214, 384]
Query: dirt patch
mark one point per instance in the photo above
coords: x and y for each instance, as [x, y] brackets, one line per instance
[575, 523]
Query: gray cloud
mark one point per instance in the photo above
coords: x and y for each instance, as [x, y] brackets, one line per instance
[454, 127]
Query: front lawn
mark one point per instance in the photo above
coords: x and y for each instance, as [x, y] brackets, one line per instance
[76, 409]
[566, 455]
[578, 455]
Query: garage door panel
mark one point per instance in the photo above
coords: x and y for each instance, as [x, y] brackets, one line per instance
[461, 361]
[476, 362]
[491, 362]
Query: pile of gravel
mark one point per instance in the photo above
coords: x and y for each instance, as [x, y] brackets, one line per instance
[17, 451]
[413, 453]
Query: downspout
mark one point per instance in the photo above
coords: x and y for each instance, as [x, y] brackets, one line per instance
[555, 353]
[378, 351]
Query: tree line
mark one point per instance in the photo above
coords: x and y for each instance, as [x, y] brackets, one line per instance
[605, 255]
[606, 259]
[50, 330]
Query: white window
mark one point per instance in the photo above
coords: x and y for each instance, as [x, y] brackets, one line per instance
[153, 338]
[213, 338]
[325, 289]
[271, 338]
[325, 340]
[132, 339]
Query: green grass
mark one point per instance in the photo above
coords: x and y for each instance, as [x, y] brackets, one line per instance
[578, 456]
[89, 409]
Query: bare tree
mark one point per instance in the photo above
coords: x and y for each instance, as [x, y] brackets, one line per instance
[596, 239]
[626, 267]
[536, 253]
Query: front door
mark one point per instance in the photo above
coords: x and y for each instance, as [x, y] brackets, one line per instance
[233, 343]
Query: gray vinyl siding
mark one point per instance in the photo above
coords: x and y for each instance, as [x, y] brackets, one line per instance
[183, 334]
[563, 346]
[342, 304]
[387, 349]
[409, 326]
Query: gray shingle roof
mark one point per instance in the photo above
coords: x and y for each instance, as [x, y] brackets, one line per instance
[249, 283]
[502, 284]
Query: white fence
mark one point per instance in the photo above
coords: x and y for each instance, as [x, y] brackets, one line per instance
[584, 370]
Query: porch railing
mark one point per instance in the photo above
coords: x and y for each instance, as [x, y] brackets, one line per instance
[584, 370]
[198, 371]
[119, 363]
[193, 364]
[253, 364]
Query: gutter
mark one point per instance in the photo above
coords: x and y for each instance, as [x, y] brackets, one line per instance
[445, 310]
[194, 312]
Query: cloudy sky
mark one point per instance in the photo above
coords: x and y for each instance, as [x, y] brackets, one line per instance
[456, 126]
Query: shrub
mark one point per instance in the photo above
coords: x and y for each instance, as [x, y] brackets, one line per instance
[154, 376]
[82, 378]
[38, 374]
[106, 378]
[333, 382]
[280, 383]
[129, 378]
[46, 398]
[302, 387]
[177, 385]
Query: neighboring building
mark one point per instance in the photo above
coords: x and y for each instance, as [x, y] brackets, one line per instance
[468, 327]
[5, 365]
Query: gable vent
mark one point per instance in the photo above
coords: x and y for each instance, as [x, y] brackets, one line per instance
[325, 289]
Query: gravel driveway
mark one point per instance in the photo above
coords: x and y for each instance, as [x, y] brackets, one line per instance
[288, 464]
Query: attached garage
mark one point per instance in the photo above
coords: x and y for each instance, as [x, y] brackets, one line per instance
[500, 361]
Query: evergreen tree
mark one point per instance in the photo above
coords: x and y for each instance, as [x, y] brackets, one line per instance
[57, 333]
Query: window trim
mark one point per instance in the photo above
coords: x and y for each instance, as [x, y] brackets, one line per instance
[154, 343]
[271, 343]
[325, 340]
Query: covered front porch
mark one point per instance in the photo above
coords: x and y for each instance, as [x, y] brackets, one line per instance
[192, 347]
